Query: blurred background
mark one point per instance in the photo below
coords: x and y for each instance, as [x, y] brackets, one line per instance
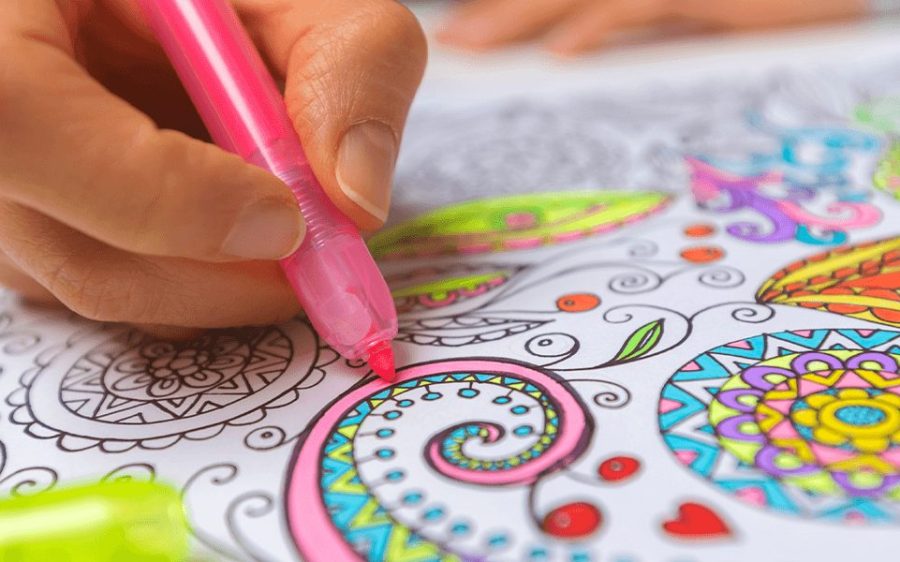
[519, 116]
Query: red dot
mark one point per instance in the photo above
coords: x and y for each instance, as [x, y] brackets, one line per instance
[702, 254]
[616, 469]
[573, 520]
[699, 230]
[578, 302]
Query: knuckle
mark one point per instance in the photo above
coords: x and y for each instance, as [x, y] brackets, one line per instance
[404, 30]
[95, 294]
[148, 218]
[380, 48]
[398, 39]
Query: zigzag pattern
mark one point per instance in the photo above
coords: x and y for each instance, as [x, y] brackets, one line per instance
[355, 511]
[690, 406]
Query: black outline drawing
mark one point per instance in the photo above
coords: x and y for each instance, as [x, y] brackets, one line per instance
[123, 352]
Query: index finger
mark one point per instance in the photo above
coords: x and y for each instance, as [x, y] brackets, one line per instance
[75, 152]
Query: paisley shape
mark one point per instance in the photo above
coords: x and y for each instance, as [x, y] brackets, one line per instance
[887, 175]
[515, 222]
[434, 288]
[861, 281]
[373, 477]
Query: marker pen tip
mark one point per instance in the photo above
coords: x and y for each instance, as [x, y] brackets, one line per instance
[381, 360]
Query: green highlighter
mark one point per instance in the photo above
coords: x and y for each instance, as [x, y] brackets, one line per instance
[116, 521]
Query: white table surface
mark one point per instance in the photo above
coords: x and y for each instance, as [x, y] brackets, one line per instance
[454, 75]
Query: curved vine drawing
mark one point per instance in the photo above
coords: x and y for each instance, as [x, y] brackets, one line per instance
[27, 481]
[785, 217]
[131, 471]
[463, 305]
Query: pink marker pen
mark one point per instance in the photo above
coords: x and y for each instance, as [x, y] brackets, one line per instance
[333, 273]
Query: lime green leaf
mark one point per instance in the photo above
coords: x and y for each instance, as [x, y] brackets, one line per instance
[640, 342]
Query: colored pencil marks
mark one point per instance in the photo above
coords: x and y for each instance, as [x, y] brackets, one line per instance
[802, 422]
[503, 425]
[599, 301]
[515, 222]
[882, 114]
[887, 174]
[780, 205]
[861, 281]
[808, 160]
[538, 452]
[445, 305]
[436, 287]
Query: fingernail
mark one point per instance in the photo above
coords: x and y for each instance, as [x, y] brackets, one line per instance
[265, 230]
[365, 166]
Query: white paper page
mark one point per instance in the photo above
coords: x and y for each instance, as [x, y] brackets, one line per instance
[613, 373]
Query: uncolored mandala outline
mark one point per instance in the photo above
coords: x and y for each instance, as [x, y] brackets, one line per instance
[55, 400]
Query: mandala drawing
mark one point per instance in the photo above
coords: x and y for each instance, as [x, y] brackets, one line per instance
[509, 150]
[887, 175]
[380, 474]
[784, 213]
[121, 388]
[515, 223]
[861, 281]
[804, 422]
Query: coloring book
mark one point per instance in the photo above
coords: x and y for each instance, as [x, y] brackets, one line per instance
[647, 325]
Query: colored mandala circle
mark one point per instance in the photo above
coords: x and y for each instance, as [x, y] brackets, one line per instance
[804, 422]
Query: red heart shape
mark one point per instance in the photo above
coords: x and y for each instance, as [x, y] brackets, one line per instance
[696, 521]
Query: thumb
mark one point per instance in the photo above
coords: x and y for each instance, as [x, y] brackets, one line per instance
[351, 70]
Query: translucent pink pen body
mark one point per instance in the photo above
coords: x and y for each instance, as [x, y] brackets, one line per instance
[336, 280]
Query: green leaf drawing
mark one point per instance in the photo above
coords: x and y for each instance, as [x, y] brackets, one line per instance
[640, 342]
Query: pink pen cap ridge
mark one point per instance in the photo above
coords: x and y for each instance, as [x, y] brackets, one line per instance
[332, 272]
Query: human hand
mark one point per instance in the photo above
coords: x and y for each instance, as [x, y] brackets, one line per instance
[110, 203]
[575, 26]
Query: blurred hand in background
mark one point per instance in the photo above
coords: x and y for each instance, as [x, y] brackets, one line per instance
[570, 27]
